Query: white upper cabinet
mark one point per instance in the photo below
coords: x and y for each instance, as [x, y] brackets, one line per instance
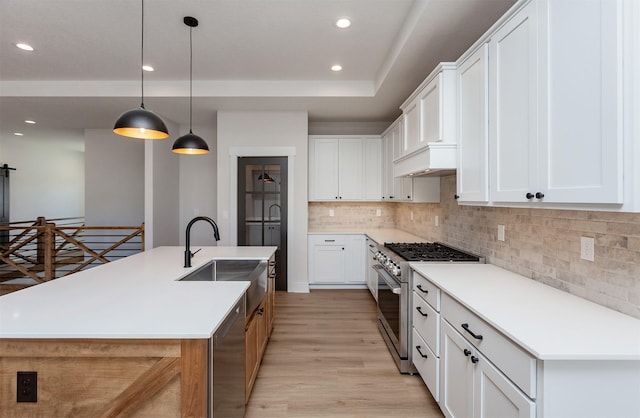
[429, 125]
[473, 134]
[513, 123]
[555, 116]
[581, 100]
[345, 168]
[373, 168]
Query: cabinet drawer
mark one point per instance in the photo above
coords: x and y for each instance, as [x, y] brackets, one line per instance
[428, 367]
[322, 239]
[427, 290]
[513, 361]
[427, 322]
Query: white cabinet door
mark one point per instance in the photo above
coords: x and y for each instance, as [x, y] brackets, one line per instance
[323, 168]
[456, 374]
[351, 169]
[372, 275]
[327, 258]
[356, 248]
[581, 107]
[411, 127]
[387, 165]
[430, 108]
[473, 134]
[373, 168]
[513, 105]
[495, 395]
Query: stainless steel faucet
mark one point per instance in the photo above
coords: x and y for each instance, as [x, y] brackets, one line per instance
[187, 251]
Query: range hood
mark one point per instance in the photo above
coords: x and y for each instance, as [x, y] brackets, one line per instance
[433, 158]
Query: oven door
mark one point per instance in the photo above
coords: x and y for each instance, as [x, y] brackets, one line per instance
[392, 312]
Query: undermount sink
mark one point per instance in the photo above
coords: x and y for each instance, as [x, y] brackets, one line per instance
[254, 271]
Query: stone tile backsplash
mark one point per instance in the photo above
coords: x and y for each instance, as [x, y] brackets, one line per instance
[542, 244]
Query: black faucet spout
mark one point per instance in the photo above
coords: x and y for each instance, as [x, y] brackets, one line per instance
[187, 251]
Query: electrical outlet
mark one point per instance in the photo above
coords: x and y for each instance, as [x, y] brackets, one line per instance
[378, 212]
[436, 220]
[331, 212]
[587, 248]
[500, 232]
[27, 387]
[412, 215]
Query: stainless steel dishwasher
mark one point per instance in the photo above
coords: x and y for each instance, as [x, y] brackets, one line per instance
[226, 366]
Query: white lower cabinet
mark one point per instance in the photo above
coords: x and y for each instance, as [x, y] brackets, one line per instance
[472, 387]
[371, 274]
[337, 259]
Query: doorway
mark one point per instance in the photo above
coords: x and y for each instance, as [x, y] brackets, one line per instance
[262, 207]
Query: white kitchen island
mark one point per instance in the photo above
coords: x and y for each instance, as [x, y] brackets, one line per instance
[126, 333]
[504, 345]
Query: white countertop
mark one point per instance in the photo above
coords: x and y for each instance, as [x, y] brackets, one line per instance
[379, 235]
[547, 322]
[135, 297]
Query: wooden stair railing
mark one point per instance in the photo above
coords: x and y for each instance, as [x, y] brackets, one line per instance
[41, 250]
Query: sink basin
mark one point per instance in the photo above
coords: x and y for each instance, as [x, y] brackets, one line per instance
[254, 271]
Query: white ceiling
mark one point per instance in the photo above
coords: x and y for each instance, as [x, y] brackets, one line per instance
[248, 55]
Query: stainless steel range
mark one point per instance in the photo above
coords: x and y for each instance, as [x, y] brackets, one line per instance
[394, 290]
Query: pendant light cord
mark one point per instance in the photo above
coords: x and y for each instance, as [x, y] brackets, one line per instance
[190, 78]
[142, 57]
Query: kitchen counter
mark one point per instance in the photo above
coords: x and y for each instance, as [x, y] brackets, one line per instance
[135, 297]
[547, 322]
[379, 235]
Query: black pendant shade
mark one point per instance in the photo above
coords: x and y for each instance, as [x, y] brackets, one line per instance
[141, 123]
[190, 143]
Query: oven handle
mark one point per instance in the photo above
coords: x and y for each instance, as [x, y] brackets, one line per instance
[395, 289]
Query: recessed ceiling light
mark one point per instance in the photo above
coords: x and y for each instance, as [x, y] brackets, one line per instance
[147, 68]
[343, 22]
[25, 47]
[336, 68]
[31, 122]
[18, 134]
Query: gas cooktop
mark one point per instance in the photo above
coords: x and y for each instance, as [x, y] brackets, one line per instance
[429, 251]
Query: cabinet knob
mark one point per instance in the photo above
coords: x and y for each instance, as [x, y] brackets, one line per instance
[455, 196]
[336, 197]
[467, 352]
[529, 195]
[474, 359]
[539, 195]
[390, 197]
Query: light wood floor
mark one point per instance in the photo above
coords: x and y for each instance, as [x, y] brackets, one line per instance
[326, 358]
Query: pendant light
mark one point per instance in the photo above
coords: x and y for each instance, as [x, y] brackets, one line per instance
[141, 123]
[190, 143]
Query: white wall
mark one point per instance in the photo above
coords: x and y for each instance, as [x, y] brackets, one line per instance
[198, 188]
[261, 131]
[49, 177]
[162, 191]
[114, 179]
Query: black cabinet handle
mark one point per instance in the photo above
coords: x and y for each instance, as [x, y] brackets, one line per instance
[455, 196]
[474, 359]
[467, 352]
[539, 195]
[466, 328]
[529, 195]
[420, 352]
[390, 197]
[408, 197]
[340, 197]
[261, 311]
[421, 289]
[419, 309]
